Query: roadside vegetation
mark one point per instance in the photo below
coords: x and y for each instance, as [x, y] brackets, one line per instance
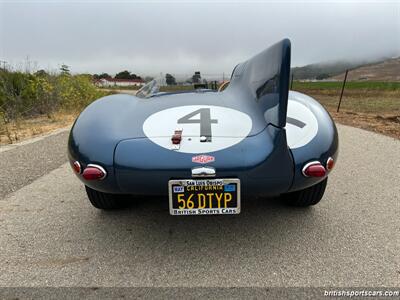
[41, 98]
[361, 97]
[32, 104]
[374, 106]
[350, 85]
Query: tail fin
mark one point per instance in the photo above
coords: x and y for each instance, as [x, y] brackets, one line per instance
[265, 79]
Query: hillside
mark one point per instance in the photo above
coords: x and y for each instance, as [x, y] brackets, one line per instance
[323, 70]
[387, 70]
[382, 70]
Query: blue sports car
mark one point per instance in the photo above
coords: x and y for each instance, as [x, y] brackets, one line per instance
[208, 150]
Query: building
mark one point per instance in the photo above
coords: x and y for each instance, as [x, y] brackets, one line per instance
[109, 82]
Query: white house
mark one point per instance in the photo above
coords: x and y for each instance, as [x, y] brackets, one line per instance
[108, 82]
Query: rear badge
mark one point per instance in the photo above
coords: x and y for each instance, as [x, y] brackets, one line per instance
[203, 159]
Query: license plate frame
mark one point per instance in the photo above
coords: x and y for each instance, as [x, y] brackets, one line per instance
[206, 182]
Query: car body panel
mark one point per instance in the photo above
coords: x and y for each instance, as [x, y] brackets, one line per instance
[252, 159]
[262, 133]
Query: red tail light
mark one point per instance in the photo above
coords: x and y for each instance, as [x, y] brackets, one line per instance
[330, 163]
[177, 137]
[314, 169]
[77, 167]
[94, 172]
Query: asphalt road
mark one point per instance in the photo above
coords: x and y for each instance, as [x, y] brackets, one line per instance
[20, 164]
[51, 236]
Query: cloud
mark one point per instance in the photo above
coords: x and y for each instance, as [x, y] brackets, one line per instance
[154, 37]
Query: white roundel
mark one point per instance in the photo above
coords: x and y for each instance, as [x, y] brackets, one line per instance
[205, 128]
[301, 125]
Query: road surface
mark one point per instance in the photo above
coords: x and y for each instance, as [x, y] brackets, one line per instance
[51, 236]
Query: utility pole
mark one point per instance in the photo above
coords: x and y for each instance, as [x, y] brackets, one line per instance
[4, 64]
[291, 83]
[341, 94]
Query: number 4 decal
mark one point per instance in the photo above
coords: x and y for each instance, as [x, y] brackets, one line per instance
[205, 122]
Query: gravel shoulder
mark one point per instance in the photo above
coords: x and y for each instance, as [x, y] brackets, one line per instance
[22, 163]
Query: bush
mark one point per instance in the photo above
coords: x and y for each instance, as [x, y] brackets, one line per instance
[28, 95]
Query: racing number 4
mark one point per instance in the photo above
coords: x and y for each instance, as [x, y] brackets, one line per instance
[205, 121]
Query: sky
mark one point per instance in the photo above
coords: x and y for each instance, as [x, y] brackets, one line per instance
[150, 37]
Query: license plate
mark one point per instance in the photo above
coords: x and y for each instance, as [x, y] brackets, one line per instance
[204, 197]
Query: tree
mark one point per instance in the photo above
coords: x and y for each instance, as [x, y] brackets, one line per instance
[126, 75]
[64, 70]
[169, 79]
[196, 77]
[123, 75]
[134, 76]
[41, 73]
[104, 75]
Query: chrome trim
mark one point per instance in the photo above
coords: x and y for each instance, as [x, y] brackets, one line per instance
[80, 166]
[327, 161]
[315, 162]
[175, 146]
[203, 172]
[100, 168]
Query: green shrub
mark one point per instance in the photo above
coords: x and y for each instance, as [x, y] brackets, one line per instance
[27, 95]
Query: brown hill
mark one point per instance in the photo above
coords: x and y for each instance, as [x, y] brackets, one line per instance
[388, 70]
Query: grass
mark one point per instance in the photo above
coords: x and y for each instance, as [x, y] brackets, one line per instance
[350, 85]
[359, 101]
[374, 106]
[361, 97]
[176, 88]
[117, 88]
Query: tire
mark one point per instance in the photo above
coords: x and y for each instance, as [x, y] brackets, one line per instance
[307, 197]
[106, 201]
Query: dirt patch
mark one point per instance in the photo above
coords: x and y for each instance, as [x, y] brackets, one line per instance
[27, 128]
[373, 110]
[385, 124]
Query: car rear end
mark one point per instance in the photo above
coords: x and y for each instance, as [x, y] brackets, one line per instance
[257, 166]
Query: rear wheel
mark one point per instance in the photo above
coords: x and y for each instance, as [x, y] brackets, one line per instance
[106, 201]
[309, 196]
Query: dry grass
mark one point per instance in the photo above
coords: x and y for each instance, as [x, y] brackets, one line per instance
[27, 128]
[374, 110]
[386, 124]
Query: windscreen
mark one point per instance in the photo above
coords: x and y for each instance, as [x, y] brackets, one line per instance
[148, 90]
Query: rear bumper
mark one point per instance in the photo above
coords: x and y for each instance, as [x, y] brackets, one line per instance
[157, 184]
[143, 168]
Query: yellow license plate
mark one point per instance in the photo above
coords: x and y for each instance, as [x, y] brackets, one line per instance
[204, 197]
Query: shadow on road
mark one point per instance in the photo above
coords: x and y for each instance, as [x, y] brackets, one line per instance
[263, 223]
